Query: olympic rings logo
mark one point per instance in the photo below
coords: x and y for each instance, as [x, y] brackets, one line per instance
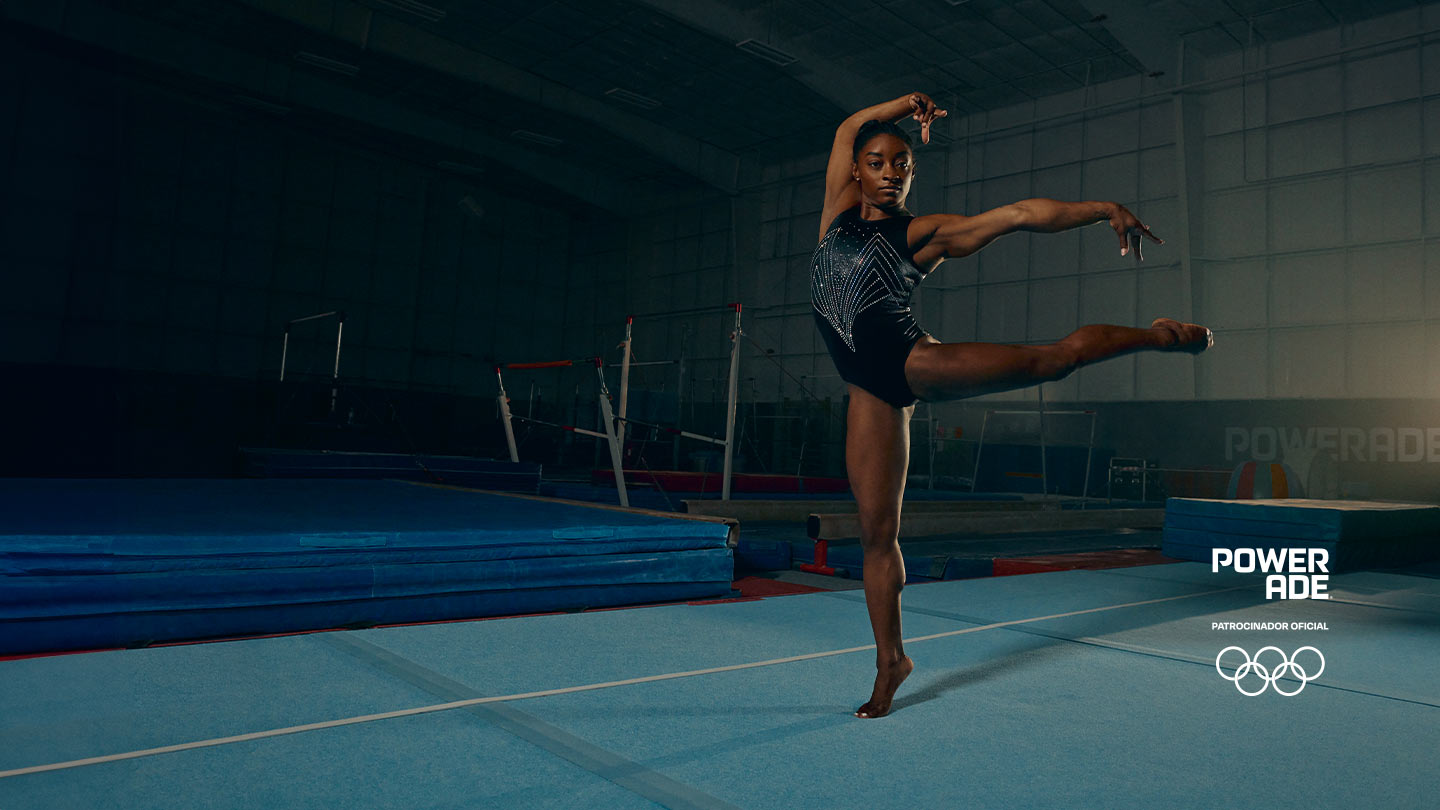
[1268, 676]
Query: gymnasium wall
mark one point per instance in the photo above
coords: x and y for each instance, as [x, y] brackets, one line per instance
[149, 230]
[1298, 207]
[1311, 192]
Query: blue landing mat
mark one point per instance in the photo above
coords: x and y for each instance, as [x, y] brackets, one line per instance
[1357, 534]
[124, 562]
[1068, 690]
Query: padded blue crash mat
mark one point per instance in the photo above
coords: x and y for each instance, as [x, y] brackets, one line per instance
[120, 562]
[1356, 533]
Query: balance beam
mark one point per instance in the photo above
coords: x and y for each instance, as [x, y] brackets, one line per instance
[824, 528]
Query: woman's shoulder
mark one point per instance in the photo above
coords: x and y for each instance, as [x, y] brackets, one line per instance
[844, 215]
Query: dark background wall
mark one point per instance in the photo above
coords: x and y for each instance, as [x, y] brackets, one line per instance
[155, 239]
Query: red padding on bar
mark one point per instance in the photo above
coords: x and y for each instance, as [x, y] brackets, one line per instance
[545, 364]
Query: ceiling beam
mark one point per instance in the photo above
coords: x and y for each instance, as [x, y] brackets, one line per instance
[359, 26]
[848, 90]
[240, 72]
[1141, 32]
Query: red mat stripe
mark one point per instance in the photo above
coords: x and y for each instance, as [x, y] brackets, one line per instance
[1084, 560]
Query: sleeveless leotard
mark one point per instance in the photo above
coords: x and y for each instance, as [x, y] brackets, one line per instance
[861, 277]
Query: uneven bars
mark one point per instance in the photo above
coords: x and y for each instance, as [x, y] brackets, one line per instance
[733, 306]
[553, 363]
[339, 334]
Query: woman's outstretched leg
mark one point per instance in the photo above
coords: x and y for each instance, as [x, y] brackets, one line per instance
[877, 454]
[940, 371]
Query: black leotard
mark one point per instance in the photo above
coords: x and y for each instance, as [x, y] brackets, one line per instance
[861, 278]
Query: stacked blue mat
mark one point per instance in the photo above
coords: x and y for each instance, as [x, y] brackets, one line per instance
[480, 473]
[90, 564]
[1358, 534]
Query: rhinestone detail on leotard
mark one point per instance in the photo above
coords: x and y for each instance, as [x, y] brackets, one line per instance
[848, 276]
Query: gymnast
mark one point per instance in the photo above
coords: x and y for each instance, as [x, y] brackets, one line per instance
[871, 256]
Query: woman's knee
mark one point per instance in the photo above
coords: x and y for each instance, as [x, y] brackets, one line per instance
[879, 529]
[1056, 362]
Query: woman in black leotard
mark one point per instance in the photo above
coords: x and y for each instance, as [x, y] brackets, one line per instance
[871, 256]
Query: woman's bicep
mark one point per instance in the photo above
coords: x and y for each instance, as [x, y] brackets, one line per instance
[956, 236]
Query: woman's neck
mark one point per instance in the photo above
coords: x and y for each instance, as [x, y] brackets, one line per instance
[874, 212]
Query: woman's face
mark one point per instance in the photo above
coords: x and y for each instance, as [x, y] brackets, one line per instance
[884, 168]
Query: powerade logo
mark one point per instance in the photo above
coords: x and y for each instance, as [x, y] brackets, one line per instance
[1252, 676]
[1294, 573]
[1404, 444]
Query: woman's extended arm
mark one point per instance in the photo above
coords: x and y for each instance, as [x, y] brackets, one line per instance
[840, 189]
[949, 236]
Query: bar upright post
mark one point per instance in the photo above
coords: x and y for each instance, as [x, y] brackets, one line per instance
[730, 406]
[505, 418]
[979, 448]
[625, 378]
[607, 417]
[284, 351]
[1044, 468]
[335, 375]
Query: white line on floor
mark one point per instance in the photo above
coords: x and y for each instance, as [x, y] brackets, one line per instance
[460, 704]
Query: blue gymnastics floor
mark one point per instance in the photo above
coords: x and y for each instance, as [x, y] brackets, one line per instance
[1066, 690]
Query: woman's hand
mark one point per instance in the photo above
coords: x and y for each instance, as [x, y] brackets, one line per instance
[923, 109]
[1131, 232]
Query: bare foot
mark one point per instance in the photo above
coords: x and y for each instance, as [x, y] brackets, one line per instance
[887, 680]
[1188, 337]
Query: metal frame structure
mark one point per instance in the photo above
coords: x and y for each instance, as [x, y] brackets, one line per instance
[339, 335]
[607, 416]
[732, 387]
[1144, 468]
[1044, 466]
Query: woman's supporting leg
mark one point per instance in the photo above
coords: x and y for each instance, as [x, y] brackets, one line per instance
[940, 371]
[877, 454]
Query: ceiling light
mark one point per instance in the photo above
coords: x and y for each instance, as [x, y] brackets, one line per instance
[326, 63]
[632, 98]
[765, 51]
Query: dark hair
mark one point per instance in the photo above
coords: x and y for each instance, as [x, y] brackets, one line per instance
[870, 129]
